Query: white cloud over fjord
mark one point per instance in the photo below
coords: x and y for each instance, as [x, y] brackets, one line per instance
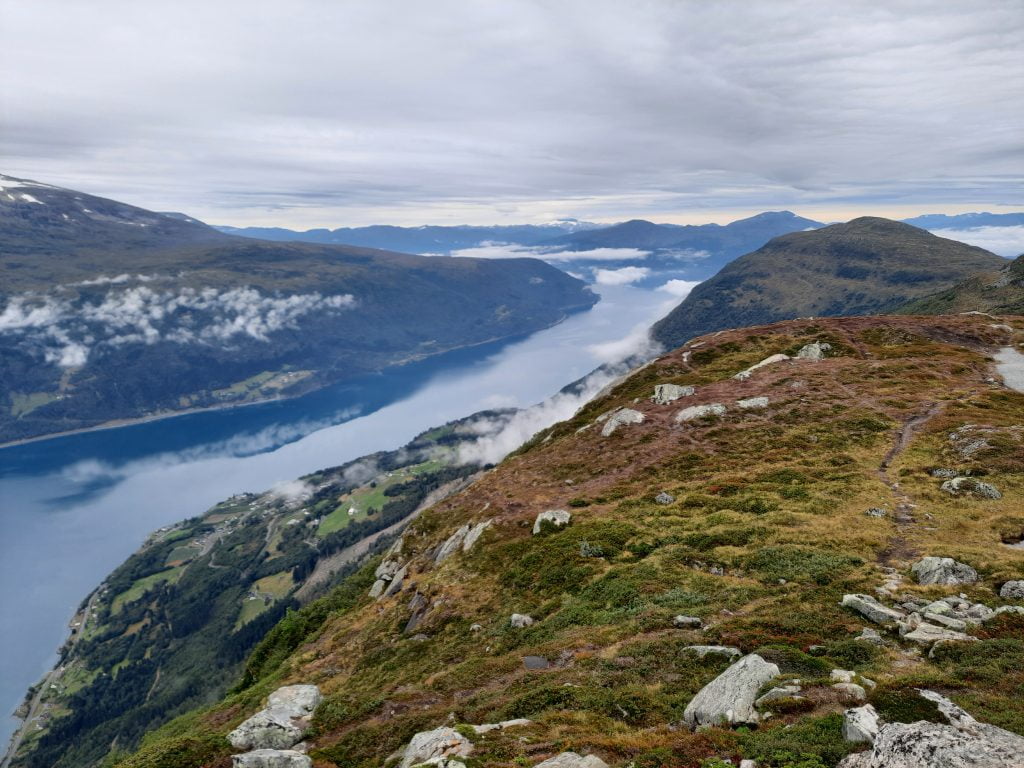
[622, 276]
[1005, 241]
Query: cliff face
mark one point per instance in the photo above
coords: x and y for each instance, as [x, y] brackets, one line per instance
[743, 515]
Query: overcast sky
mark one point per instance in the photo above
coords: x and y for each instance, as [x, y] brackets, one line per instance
[332, 113]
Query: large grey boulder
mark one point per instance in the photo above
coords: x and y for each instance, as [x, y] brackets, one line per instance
[520, 620]
[871, 609]
[451, 545]
[434, 746]
[271, 758]
[926, 634]
[729, 698]
[962, 743]
[282, 723]
[974, 487]
[700, 412]
[558, 517]
[752, 403]
[573, 760]
[669, 393]
[474, 534]
[1012, 590]
[814, 351]
[771, 360]
[943, 570]
[860, 724]
[621, 417]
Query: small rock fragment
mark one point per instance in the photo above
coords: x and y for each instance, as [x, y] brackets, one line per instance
[669, 393]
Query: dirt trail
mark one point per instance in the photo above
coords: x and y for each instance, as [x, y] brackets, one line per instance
[898, 549]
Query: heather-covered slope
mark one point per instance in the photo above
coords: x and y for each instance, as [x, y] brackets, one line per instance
[1000, 291]
[866, 266]
[755, 522]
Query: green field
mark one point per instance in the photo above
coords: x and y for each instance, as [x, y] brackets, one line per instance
[23, 404]
[138, 589]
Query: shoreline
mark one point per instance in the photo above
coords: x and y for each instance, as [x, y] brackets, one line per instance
[136, 420]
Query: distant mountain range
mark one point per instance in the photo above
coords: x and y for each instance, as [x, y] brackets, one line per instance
[967, 220]
[109, 311]
[864, 267]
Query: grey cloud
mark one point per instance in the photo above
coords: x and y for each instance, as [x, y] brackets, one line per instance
[316, 112]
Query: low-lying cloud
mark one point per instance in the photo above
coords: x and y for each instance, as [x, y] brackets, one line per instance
[65, 331]
[679, 288]
[549, 253]
[1005, 241]
[623, 276]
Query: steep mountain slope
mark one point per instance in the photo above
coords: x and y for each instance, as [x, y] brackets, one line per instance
[110, 312]
[866, 266]
[999, 291]
[744, 527]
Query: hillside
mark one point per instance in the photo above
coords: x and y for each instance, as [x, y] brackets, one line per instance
[999, 291]
[684, 526]
[169, 629]
[866, 266]
[109, 312]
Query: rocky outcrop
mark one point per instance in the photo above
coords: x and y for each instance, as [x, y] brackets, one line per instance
[723, 650]
[619, 418]
[962, 742]
[463, 539]
[433, 746]
[520, 621]
[388, 571]
[752, 403]
[729, 698]
[488, 727]
[962, 485]
[557, 517]
[474, 534]
[572, 760]
[669, 393]
[860, 724]
[744, 375]
[1012, 590]
[943, 570]
[814, 351]
[777, 693]
[700, 412]
[271, 758]
[282, 723]
[927, 634]
[872, 610]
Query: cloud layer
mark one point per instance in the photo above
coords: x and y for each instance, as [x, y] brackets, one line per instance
[64, 331]
[323, 113]
[1006, 241]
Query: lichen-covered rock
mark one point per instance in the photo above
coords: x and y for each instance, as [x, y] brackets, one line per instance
[926, 634]
[621, 417]
[850, 691]
[974, 487]
[432, 746]
[557, 517]
[395, 585]
[723, 650]
[729, 698]
[871, 609]
[860, 724]
[686, 622]
[282, 723]
[1012, 590]
[962, 743]
[520, 620]
[297, 700]
[488, 727]
[871, 636]
[669, 393]
[700, 412]
[572, 760]
[474, 534]
[752, 403]
[771, 360]
[814, 351]
[875, 512]
[664, 498]
[778, 692]
[943, 570]
[271, 758]
[451, 545]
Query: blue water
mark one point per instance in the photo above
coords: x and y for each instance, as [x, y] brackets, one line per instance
[73, 508]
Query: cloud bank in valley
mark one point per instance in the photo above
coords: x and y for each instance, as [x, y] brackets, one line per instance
[65, 330]
[1005, 241]
[549, 253]
[623, 276]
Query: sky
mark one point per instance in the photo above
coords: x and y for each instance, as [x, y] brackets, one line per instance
[343, 113]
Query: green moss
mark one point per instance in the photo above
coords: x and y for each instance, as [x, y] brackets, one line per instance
[897, 704]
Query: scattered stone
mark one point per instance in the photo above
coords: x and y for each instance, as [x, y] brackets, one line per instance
[271, 758]
[669, 393]
[779, 692]
[700, 412]
[926, 634]
[432, 746]
[752, 403]
[814, 351]
[395, 586]
[744, 375]
[536, 662]
[488, 727]
[949, 473]
[842, 676]
[969, 485]
[476, 628]
[558, 517]
[378, 588]
[729, 698]
[943, 570]
[872, 610]
[520, 620]
[869, 635]
[1012, 590]
[748, 764]
[876, 512]
[621, 417]
[686, 622]
[573, 760]
[282, 723]
[1006, 609]
[851, 691]
[860, 724]
[963, 743]
[724, 650]
[947, 621]
[664, 498]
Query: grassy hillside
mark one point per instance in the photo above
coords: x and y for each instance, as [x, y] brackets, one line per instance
[866, 266]
[998, 291]
[766, 530]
